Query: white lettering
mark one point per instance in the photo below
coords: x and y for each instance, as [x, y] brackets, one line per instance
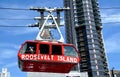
[27, 57]
[23, 57]
[52, 57]
[31, 57]
[49, 57]
[67, 59]
[41, 57]
[35, 57]
[75, 60]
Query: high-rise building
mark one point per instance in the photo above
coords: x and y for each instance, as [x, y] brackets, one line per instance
[83, 28]
[4, 73]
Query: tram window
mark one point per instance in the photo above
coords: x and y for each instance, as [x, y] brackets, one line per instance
[23, 50]
[57, 50]
[28, 48]
[31, 48]
[44, 49]
[70, 51]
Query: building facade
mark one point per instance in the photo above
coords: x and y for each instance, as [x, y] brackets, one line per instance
[83, 28]
[114, 73]
[4, 73]
[45, 74]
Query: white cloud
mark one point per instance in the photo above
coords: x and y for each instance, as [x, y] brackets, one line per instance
[25, 31]
[22, 31]
[112, 44]
[110, 16]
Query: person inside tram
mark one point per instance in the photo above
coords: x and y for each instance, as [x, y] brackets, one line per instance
[31, 50]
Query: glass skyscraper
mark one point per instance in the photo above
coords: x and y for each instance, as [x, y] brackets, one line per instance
[83, 28]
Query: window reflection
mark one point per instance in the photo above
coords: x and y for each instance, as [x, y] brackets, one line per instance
[28, 48]
[70, 51]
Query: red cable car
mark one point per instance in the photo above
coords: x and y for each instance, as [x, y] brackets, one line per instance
[46, 56]
[39, 56]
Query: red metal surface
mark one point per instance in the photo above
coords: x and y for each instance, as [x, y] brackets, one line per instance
[47, 62]
[53, 67]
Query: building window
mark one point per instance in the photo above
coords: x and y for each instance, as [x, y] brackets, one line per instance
[89, 40]
[88, 36]
[94, 73]
[92, 62]
[90, 46]
[100, 67]
[91, 50]
[82, 49]
[88, 31]
[93, 67]
[98, 56]
[97, 46]
[92, 56]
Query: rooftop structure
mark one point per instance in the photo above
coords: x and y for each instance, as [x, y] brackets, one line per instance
[4, 73]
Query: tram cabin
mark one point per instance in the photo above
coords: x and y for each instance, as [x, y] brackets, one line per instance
[39, 56]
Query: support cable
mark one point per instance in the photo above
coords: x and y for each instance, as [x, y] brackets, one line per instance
[4, 8]
[34, 19]
[16, 19]
[12, 26]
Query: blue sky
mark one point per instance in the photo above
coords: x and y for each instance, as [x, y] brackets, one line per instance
[12, 37]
